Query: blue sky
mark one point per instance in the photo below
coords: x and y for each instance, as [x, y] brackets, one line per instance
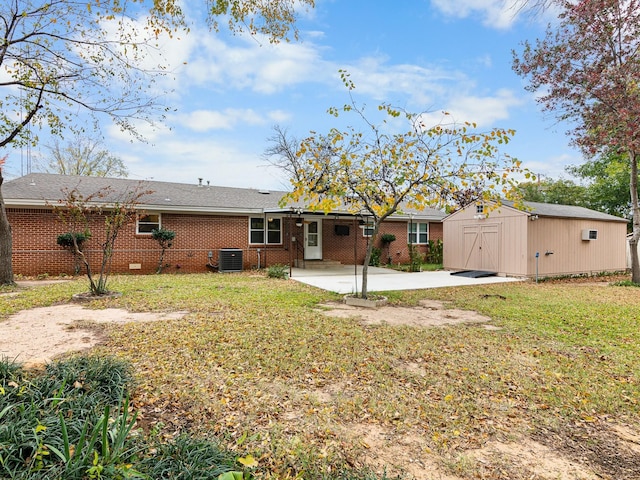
[228, 92]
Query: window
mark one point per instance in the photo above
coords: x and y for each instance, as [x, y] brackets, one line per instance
[147, 223]
[480, 208]
[418, 233]
[367, 230]
[260, 228]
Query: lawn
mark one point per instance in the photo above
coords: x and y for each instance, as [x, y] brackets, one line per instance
[256, 364]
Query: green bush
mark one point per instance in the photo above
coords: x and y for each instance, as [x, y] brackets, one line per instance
[70, 422]
[278, 271]
[434, 252]
[415, 258]
[65, 240]
[376, 253]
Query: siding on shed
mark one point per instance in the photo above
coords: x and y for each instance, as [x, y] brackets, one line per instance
[511, 241]
[519, 238]
[571, 254]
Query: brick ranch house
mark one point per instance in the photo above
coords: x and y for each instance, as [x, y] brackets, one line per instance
[216, 227]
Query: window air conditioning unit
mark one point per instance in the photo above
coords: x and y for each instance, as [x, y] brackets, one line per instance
[342, 230]
[589, 234]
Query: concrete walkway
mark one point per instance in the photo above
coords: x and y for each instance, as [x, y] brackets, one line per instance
[345, 279]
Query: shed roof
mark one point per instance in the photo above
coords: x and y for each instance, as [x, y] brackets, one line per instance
[40, 189]
[565, 211]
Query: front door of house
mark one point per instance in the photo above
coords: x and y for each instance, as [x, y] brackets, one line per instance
[313, 240]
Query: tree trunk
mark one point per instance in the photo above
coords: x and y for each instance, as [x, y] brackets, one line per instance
[6, 266]
[159, 269]
[635, 236]
[367, 258]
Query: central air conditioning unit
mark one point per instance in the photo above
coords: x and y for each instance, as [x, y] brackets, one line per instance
[230, 260]
[589, 234]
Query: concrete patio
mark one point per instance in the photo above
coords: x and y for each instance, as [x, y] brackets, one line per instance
[348, 279]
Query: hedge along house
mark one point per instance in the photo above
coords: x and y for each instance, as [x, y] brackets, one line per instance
[541, 239]
[217, 228]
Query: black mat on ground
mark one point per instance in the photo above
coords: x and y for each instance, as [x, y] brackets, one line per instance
[474, 273]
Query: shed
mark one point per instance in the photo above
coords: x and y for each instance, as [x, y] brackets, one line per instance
[540, 239]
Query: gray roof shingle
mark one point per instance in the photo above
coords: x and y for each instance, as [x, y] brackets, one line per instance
[38, 189]
[565, 211]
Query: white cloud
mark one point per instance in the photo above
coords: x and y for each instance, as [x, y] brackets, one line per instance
[485, 111]
[425, 87]
[228, 119]
[248, 63]
[149, 132]
[500, 14]
[184, 161]
[553, 166]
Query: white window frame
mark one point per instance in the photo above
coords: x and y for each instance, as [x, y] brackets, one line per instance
[414, 237]
[155, 225]
[266, 231]
[367, 230]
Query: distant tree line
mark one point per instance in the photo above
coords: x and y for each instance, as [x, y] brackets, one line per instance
[601, 184]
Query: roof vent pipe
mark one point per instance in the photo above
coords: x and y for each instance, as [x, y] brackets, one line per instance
[200, 181]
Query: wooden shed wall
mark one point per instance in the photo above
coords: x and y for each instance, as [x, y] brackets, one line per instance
[462, 253]
[517, 239]
[571, 254]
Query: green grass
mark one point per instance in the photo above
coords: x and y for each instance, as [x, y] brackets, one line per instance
[255, 365]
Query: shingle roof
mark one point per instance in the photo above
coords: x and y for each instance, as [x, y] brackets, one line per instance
[38, 189]
[565, 211]
[42, 187]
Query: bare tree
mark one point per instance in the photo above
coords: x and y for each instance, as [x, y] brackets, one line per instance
[62, 57]
[117, 209]
[83, 156]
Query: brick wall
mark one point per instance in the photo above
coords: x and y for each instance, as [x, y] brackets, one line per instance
[35, 250]
[346, 248]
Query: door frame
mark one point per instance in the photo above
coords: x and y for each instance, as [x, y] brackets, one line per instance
[313, 252]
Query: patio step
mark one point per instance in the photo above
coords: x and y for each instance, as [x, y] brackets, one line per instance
[321, 264]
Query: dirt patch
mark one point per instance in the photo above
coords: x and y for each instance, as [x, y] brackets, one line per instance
[406, 455]
[428, 313]
[39, 335]
[409, 455]
[612, 450]
[537, 460]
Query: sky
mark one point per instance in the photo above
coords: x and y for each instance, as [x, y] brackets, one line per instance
[226, 93]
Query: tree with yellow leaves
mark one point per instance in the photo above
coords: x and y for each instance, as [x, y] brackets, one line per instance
[376, 172]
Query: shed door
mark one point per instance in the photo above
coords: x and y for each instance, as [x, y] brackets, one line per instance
[482, 247]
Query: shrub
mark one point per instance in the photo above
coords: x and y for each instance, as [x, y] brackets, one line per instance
[376, 253]
[65, 240]
[278, 271]
[415, 258]
[434, 252]
[165, 239]
[386, 240]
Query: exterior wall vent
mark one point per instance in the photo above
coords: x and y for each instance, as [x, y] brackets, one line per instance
[230, 260]
[589, 234]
